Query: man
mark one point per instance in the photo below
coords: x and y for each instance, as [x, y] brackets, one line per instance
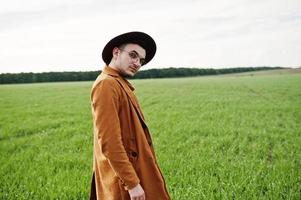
[124, 164]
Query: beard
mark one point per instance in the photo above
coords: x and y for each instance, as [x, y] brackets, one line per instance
[128, 72]
[126, 75]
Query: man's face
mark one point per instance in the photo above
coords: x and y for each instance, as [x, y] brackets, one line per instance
[129, 59]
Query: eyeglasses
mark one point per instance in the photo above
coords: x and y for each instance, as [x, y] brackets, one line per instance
[135, 56]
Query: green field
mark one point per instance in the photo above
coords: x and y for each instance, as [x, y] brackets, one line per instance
[218, 137]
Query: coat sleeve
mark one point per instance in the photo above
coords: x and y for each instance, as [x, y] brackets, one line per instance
[106, 102]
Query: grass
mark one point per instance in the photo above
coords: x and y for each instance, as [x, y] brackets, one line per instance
[224, 137]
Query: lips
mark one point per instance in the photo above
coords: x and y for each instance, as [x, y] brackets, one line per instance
[133, 69]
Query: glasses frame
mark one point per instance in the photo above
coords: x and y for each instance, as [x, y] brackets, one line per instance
[135, 56]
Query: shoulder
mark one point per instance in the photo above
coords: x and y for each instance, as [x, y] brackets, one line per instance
[104, 79]
[106, 83]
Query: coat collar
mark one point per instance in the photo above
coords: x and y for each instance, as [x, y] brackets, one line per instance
[112, 72]
[128, 88]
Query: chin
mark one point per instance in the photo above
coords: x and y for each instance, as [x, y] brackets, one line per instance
[129, 74]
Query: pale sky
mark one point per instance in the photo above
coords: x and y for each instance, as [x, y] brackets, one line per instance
[69, 35]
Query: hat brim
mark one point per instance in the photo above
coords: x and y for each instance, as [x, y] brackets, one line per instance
[140, 38]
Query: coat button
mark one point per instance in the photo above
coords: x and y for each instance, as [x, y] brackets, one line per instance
[134, 154]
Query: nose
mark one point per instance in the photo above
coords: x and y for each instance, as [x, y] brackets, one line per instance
[137, 63]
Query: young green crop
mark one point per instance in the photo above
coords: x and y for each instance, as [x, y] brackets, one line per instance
[219, 137]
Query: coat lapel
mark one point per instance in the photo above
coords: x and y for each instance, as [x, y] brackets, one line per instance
[133, 99]
[128, 88]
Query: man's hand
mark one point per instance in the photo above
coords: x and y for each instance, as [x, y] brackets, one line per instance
[137, 193]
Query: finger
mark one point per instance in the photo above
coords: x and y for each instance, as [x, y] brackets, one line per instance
[142, 197]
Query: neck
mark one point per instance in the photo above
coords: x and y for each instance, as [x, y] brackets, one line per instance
[112, 65]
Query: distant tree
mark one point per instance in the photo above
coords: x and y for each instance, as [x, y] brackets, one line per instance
[8, 78]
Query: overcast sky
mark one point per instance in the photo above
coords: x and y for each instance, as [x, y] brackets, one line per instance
[68, 35]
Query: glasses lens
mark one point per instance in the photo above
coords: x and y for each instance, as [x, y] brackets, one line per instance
[133, 55]
[142, 61]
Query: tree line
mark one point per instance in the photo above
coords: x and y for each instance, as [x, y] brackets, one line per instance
[7, 78]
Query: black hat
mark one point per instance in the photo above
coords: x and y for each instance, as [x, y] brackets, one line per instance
[140, 38]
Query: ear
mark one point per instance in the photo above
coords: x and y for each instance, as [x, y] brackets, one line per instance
[115, 52]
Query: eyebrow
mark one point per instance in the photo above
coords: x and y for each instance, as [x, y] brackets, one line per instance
[138, 54]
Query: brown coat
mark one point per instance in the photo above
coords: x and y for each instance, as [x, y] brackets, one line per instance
[123, 151]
